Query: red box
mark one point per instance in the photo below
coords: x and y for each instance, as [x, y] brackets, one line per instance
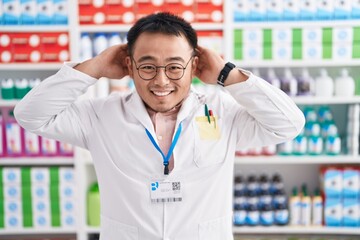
[209, 11]
[182, 8]
[6, 48]
[55, 47]
[27, 47]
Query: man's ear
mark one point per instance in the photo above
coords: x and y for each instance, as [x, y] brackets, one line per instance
[129, 66]
[195, 64]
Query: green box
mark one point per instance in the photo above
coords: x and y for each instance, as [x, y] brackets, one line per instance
[296, 36]
[327, 51]
[297, 52]
[267, 51]
[238, 36]
[327, 36]
[356, 50]
[356, 34]
[267, 36]
[238, 53]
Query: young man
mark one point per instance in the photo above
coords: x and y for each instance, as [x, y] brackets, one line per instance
[164, 154]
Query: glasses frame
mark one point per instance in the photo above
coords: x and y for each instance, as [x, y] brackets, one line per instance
[164, 67]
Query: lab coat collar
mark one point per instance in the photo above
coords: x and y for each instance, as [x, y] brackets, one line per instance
[139, 111]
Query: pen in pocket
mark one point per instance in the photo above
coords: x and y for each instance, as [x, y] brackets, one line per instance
[212, 115]
[207, 113]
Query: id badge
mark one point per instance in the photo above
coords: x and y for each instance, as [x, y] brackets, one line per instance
[165, 191]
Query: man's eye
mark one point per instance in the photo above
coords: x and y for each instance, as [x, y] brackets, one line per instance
[148, 68]
[174, 67]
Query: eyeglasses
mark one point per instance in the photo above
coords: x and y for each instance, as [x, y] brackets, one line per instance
[173, 71]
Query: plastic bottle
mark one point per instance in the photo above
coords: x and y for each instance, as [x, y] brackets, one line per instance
[253, 214]
[239, 201]
[252, 185]
[300, 144]
[281, 215]
[13, 136]
[272, 78]
[86, 48]
[239, 215]
[315, 142]
[114, 39]
[267, 215]
[324, 85]
[306, 83]
[344, 84]
[317, 205]
[332, 141]
[8, 89]
[295, 208]
[31, 143]
[285, 148]
[305, 207]
[276, 183]
[2, 136]
[310, 114]
[21, 88]
[93, 205]
[100, 43]
[289, 84]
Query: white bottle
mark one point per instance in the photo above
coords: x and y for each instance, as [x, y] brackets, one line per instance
[85, 47]
[344, 84]
[306, 83]
[324, 85]
[100, 43]
[114, 39]
[272, 78]
[289, 84]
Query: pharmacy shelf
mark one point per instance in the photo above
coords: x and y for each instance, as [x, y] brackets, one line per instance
[126, 27]
[37, 231]
[302, 159]
[36, 161]
[297, 230]
[8, 103]
[34, 28]
[320, 63]
[296, 24]
[310, 100]
[30, 66]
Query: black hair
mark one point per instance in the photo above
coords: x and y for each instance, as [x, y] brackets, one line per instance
[162, 22]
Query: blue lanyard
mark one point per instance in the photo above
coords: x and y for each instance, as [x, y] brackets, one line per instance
[172, 146]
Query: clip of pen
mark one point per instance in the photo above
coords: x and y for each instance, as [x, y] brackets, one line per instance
[207, 113]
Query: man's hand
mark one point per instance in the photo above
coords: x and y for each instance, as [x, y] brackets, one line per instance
[209, 65]
[110, 63]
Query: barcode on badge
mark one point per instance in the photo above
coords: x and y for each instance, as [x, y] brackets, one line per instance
[176, 186]
[161, 200]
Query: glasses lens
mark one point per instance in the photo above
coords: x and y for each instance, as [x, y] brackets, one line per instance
[174, 71]
[147, 71]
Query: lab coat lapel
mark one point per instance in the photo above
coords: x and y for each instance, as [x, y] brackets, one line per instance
[138, 109]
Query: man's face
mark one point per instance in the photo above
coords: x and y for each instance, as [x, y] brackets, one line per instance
[161, 93]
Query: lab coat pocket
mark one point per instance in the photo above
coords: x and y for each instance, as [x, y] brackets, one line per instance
[208, 142]
[111, 229]
[220, 228]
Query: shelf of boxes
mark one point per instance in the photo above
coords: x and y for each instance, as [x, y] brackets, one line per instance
[37, 232]
[297, 230]
[37, 161]
[30, 66]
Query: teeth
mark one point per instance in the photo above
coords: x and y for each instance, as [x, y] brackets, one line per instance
[161, 93]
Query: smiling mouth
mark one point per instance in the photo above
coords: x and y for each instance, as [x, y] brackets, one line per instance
[162, 93]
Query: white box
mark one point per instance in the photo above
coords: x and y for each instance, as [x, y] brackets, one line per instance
[355, 9]
[274, 10]
[307, 9]
[281, 35]
[282, 51]
[41, 207]
[257, 10]
[325, 9]
[67, 191]
[342, 51]
[351, 183]
[312, 35]
[66, 175]
[252, 52]
[40, 191]
[11, 11]
[343, 35]
[11, 175]
[333, 183]
[44, 11]
[351, 213]
[68, 221]
[28, 11]
[241, 10]
[333, 212]
[13, 221]
[68, 206]
[251, 36]
[291, 9]
[12, 191]
[40, 175]
[312, 51]
[13, 207]
[342, 9]
[41, 221]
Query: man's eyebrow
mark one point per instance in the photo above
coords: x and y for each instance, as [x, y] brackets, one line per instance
[151, 58]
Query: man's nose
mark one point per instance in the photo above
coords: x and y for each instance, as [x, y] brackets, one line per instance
[161, 79]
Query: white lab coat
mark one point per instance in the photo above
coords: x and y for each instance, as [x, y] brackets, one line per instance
[252, 113]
